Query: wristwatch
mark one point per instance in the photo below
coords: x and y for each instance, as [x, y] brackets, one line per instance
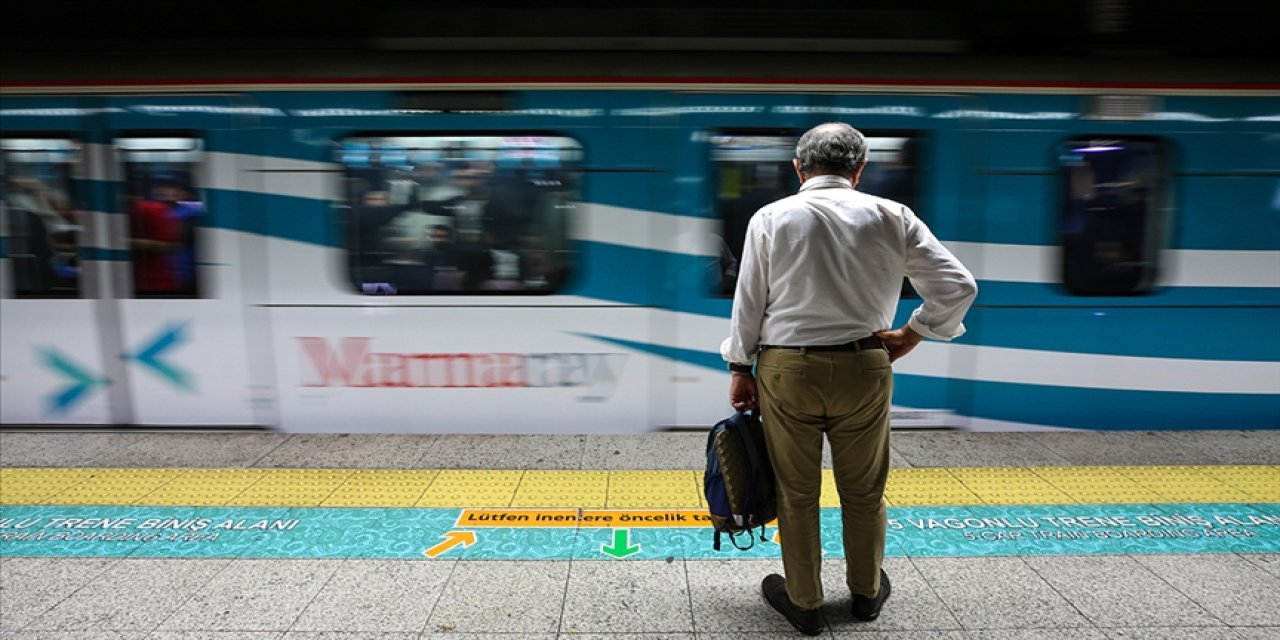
[741, 368]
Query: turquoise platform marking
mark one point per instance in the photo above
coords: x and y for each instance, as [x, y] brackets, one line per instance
[220, 532]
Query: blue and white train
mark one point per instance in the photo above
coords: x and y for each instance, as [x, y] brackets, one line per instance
[464, 256]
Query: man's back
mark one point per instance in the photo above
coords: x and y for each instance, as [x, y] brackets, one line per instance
[836, 262]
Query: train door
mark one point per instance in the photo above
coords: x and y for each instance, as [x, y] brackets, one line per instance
[181, 176]
[56, 364]
[733, 153]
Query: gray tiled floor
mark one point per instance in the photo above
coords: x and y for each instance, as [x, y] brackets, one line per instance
[253, 595]
[507, 596]
[1173, 633]
[1122, 448]
[376, 595]
[998, 593]
[132, 594]
[31, 586]
[1118, 590]
[996, 598]
[668, 450]
[1209, 597]
[1227, 585]
[343, 451]
[949, 449]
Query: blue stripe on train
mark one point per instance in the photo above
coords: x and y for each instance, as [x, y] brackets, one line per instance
[1045, 318]
[708, 359]
[1105, 325]
[105, 255]
[617, 273]
[696, 274]
[1187, 332]
[1043, 294]
[1016, 213]
[318, 222]
[1060, 406]
[1116, 326]
[1106, 409]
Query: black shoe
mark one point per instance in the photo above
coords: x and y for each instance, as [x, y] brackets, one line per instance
[806, 621]
[868, 609]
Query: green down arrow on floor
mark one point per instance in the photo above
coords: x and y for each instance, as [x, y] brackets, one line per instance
[621, 546]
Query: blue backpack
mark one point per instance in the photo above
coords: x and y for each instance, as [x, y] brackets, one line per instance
[739, 484]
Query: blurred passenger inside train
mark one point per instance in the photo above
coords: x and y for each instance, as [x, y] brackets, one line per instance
[893, 175]
[187, 213]
[376, 198]
[434, 185]
[405, 270]
[763, 186]
[482, 215]
[1106, 231]
[547, 242]
[468, 208]
[745, 189]
[43, 235]
[163, 239]
[447, 264]
[155, 238]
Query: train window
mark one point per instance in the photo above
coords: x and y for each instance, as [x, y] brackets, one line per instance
[165, 209]
[42, 216]
[752, 170]
[1115, 215]
[460, 214]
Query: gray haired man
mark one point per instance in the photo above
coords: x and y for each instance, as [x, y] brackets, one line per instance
[817, 289]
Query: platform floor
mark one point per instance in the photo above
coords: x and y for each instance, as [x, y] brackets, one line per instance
[1074, 535]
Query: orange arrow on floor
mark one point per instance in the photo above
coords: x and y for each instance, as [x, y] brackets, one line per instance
[451, 540]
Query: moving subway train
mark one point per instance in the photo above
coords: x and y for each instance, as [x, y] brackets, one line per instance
[412, 257]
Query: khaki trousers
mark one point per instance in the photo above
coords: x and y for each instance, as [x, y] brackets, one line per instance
[846, 395]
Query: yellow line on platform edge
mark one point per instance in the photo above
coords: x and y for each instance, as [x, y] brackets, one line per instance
[597, 489]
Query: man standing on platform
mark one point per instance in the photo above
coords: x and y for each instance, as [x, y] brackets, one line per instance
[817, 289]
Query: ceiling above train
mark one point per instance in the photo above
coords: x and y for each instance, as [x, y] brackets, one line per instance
[1221, 27]
[646, 36]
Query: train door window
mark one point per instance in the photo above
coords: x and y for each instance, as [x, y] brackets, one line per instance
[42, 216]
[460, 214]
[165, 207]
[1115, 215]
[752, 170]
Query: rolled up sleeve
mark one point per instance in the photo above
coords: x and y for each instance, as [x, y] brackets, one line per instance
[947, 289]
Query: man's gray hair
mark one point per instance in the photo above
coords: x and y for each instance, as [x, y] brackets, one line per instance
[833, 148]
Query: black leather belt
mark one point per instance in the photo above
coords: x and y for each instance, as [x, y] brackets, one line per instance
[869, 342]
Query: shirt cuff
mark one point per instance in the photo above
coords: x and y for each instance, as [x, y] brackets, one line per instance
[921, 329]
[738, 355]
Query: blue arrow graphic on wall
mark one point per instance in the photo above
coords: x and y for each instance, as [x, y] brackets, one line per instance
[149, 356]
[81, 380]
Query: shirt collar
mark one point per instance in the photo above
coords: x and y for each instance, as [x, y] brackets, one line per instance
[826, 182]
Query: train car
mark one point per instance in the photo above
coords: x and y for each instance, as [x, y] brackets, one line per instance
[549, 256]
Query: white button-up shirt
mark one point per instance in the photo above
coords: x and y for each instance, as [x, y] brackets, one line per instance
[825, 267]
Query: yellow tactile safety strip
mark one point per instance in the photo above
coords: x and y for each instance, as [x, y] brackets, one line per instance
[678, 489]
[561, 488]
[458, 488]
[381, 488]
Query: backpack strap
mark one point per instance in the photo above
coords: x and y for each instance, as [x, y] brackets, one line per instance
[742, 426]
[751, 540]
